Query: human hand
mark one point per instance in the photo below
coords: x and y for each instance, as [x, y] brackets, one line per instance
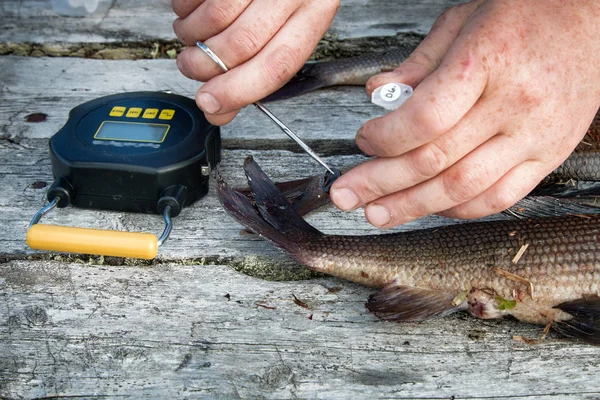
[262, 42]
[504, 91]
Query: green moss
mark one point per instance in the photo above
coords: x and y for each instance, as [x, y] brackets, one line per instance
[330, 47]
[273, 269]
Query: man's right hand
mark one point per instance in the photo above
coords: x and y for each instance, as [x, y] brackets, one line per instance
[262, 42]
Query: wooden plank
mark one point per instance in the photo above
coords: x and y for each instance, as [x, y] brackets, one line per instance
[202, 230]
[55, 85]
[178, 331]
[96, 326]
[139, 20]
[127, 20]
[214, 315]
[359, 18]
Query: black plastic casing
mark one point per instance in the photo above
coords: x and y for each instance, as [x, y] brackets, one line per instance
[126, 175]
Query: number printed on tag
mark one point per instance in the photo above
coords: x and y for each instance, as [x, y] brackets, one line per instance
[390, 92]
[391, 95]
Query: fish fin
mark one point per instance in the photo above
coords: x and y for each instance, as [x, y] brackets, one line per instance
[413, 304]
[305, 195]
[306, 80]
[585, 324]
[571, 189]
[547, 206]
[266, 212]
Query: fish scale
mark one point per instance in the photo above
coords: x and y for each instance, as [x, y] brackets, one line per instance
[561, 261]
[487, 243]
[433, 272]
[348, 71]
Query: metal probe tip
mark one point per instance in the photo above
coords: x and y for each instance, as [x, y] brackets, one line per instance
[268, 113]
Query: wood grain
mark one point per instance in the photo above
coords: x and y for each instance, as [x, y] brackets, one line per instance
[138, 20]
[214, 315]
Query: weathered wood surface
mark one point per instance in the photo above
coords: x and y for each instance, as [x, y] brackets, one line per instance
[55, 85]
[181, 331]
[139, 20]
[202, 320]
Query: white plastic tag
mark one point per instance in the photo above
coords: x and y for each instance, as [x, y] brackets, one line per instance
[391, 95]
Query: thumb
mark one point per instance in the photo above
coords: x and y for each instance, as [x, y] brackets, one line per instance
[430, 52]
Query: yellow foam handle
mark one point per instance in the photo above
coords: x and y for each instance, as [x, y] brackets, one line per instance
[92, 241]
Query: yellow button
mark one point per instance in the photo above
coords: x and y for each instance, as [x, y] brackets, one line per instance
[134, 112]
[117, 111]
[150, 113]
[166, 114]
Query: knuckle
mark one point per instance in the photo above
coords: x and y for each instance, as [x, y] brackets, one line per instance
[378, 188]
[450, 14]
[182, 8]
[232, 96]
[443, 18]
[429, 160]
[372, 184]
[372, 188]
[220, 13]
[463, 184]
[460, 9]
[245, 43]
[333, 6]
[327, 8]
[502, 199]
[179, 30]
[412, 208]
[423, 57]
[460, 212]
[427, 120]
[281, 65]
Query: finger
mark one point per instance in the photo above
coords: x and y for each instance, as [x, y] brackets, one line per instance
[465, 180]
[428, 55]
[208, 19]
[221, 119]
[239, 42]
[511, 188]
[437, 104]
[274, 65]
[183, 8]
[383, 176]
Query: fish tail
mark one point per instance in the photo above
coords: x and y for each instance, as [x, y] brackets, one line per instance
[309, 78]
[585, 324]
[266, 211]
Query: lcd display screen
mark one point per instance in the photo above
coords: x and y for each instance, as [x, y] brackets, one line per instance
[132, 132]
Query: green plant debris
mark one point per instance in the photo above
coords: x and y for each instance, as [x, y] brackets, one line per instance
[504, 304]
[462, 296]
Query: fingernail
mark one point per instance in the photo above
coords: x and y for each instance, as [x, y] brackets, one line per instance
[378, 80]
[208, 103]
[344, 198]
[378, 215]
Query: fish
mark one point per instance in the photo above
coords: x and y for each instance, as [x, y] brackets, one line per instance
[354, 71]
[544, 271]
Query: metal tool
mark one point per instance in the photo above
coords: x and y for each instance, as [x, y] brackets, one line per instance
[269, 114]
